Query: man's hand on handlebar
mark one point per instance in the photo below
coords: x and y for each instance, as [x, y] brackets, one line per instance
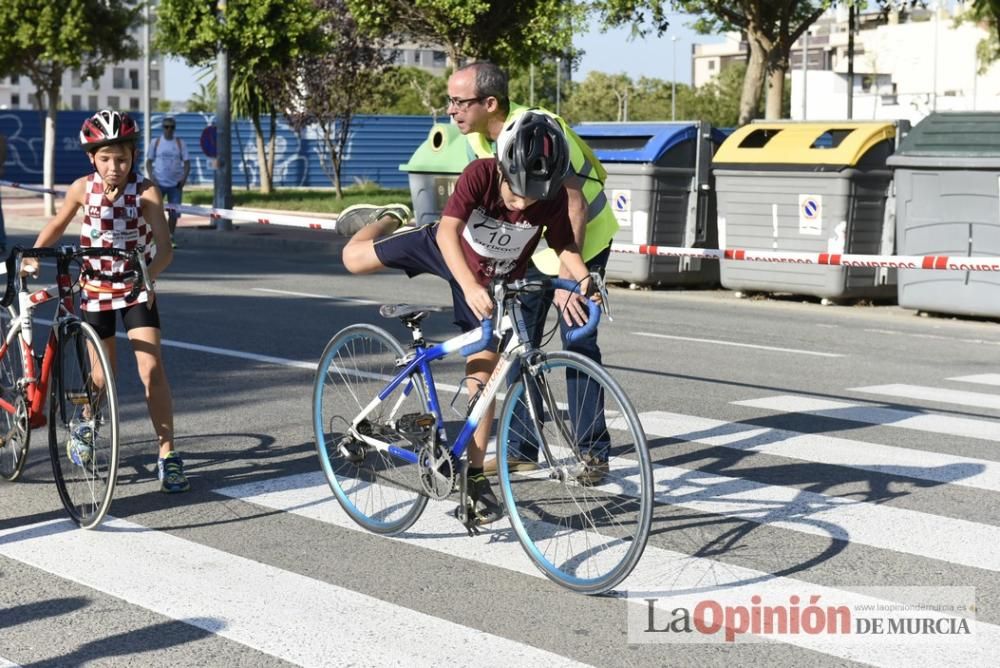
[29, 266]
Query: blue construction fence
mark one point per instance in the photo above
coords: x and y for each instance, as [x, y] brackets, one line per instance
[376, 147]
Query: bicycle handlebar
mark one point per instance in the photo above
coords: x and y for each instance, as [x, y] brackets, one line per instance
[594, 313]
[139, 276]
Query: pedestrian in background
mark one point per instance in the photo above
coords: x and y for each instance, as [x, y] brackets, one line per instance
[168, 166]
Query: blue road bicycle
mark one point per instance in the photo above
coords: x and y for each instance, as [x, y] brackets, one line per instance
[582, 512]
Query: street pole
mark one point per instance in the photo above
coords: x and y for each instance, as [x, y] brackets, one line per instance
[531, 85]
[558, 82]
[935, 51]
[805, 71]
[850, 62]
[147, 103]
[673, 79]
[223, 198]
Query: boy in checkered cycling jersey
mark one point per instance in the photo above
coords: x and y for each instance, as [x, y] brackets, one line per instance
[122, 210]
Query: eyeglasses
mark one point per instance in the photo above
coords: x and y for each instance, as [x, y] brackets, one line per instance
[169, 127]
[462, 104]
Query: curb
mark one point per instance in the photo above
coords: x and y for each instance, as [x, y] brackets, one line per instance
[260, 237]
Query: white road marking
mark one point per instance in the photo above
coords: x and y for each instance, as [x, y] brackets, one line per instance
[661, 572]
[822, 449]
[738, 345]
[937, 394]
[280, 613]
[981, 378]
[950, 425]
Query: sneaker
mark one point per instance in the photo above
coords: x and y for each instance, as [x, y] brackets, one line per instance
[173, 243]
[486, 507]
[595, 471]
[354, 217]
[80, 446]
[400, 212]
[515, 465]
[172, 478]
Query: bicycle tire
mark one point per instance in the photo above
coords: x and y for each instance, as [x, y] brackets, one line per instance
[377, 490]
[607, 513]
[83, 396]
[15, 434]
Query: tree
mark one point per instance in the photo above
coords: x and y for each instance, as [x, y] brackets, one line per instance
[45, 38]
[328, 88]
[514, 33]
[986, 12]
[599, 97]
[204, 99]
[407, 91]
[262, 37]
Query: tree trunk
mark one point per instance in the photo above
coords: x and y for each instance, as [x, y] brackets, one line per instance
[272, 148]
[265, 173]
[48, 160]
[775, 94]
[754, 81]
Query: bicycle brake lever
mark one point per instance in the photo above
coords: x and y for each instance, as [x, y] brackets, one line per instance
[597, 280]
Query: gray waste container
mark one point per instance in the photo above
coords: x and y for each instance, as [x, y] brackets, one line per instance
[947, 172]
[659, 186]
[820, 187]
[434, 168]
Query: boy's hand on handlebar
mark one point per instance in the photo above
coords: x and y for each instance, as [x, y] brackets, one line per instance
[29, 266]
[572, 306]
[479, 300]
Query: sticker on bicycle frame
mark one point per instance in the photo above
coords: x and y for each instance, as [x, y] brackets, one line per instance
[498, 239]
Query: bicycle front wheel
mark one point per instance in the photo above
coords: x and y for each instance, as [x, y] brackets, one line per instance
[583, 513]
[15, 434]
[83, 425]
[379, 491]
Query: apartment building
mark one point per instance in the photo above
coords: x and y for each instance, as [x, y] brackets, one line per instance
[906, 65]
[119, 86]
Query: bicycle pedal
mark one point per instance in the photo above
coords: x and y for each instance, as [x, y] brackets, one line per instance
[416, 423]
[77, 398]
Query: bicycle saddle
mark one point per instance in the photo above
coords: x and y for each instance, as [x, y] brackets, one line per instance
[407, 311]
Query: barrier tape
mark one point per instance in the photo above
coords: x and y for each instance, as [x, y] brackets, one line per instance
[932, 262]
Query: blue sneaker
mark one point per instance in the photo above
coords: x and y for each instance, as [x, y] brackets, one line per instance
[172, 478]
[80, 447]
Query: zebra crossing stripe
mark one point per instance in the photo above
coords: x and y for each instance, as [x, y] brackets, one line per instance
[987, 430]
[660, 572]
[280, 613]
[822, 449]
[937, 394]
[981, 378]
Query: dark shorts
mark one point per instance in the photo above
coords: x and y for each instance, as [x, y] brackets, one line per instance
[133, 316]
[416, 252]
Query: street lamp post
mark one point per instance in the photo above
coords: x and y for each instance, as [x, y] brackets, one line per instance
[558, 82]
[147, 103]
[673, 79]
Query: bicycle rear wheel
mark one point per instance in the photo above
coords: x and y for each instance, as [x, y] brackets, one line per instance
[583, 516]
[15, 435]
[379, 491]
[83, 425]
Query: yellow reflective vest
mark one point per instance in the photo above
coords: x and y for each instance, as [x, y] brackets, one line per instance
[601, 222]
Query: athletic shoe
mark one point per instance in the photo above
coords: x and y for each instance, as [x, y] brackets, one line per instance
[595, 471]
[513, 465]
[172, 478]
[80, 447]
[400, 212]
[486, 507]
[354, 217]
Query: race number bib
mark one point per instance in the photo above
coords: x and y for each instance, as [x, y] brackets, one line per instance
[498, 240]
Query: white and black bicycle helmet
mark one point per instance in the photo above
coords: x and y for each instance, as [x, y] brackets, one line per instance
[108, 127]
[533, 155]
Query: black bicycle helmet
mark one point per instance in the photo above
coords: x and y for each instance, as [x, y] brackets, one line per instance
[533, 155]
[108, 127]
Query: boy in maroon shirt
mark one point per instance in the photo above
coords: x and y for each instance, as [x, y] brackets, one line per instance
[488, 229]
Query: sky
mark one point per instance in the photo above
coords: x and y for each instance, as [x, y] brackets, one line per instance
[612, 52]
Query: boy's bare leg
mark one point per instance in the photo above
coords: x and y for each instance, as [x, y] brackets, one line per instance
[479, 367]
[359, 254]
[146, 343]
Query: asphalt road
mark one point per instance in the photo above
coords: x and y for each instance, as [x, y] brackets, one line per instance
[801, 450]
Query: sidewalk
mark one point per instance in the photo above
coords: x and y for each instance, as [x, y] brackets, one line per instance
[24, 217]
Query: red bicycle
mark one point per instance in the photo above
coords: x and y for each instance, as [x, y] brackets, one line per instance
[74, 373]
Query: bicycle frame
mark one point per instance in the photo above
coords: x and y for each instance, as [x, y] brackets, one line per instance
[513, 336]
[21, 326]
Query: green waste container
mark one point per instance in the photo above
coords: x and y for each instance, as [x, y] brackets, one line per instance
[434, 168]
[814, 187]
[947, 175]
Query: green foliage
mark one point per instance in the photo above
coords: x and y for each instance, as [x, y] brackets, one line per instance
[204, 99]
[516, 33]
[44, 38]
[407, 91]
[986, 13]
[299, 199]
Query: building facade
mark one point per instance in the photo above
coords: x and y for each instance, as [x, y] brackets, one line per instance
[906, 65]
